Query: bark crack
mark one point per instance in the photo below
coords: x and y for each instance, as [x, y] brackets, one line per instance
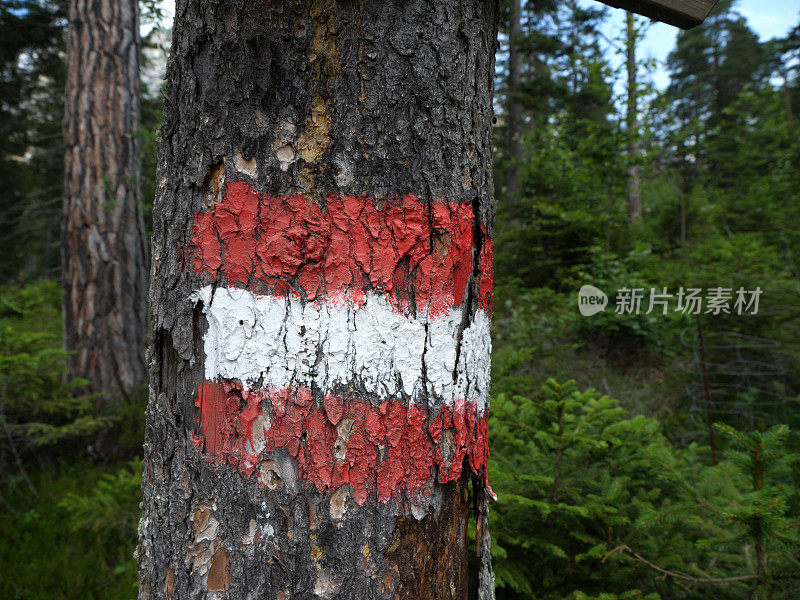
[425, 368]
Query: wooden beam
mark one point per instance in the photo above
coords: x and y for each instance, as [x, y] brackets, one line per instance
[681, 13]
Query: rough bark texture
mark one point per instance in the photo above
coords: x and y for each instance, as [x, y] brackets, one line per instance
[304, 104]
[103, 243]
[634, 193]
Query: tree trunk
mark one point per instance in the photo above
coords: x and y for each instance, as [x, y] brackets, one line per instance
[514, 107]
[634, 195]
[787, 98]
[320, 301]
[103, 246]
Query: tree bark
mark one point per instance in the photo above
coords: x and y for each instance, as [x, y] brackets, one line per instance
[320, 302]
[514, 107]
[103, 247]
[634, 194]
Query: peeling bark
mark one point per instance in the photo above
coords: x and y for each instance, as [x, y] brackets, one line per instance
[428, 557]
[319, 162]
[103, 246]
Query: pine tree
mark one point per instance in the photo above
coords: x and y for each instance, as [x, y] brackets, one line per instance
[573, 476]
[747, 505]
[31, 108]
[710, 66]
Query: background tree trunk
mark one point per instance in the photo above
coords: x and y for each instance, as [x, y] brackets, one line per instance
[514, 106]
[787, 98]
[634, 193]
[103, 246]
[320, 302]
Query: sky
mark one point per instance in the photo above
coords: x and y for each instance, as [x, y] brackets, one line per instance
[768, 18]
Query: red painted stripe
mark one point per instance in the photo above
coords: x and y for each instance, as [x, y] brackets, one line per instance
[275, 244]
[391, 448]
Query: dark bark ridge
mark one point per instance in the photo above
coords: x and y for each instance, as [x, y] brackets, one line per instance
[378, 99]
[103, 240]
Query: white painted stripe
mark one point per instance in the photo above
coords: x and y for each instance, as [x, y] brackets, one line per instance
[266, 341]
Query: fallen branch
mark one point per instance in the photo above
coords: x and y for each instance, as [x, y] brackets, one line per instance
[677, 574]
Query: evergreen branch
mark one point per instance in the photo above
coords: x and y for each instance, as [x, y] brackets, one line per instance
[678, 574]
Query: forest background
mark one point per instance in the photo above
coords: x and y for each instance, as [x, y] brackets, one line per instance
[635, 454]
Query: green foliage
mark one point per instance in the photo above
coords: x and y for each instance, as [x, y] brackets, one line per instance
[530, 327]
[66, 530]
[41, 410]
[111, 507]
[598, 500]
[747, 509]
[31, 153]
[719, 179]
[558, 221]
[76, 540]
[38, 405]
[573, 476]
[595, 503]
[623, 331]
